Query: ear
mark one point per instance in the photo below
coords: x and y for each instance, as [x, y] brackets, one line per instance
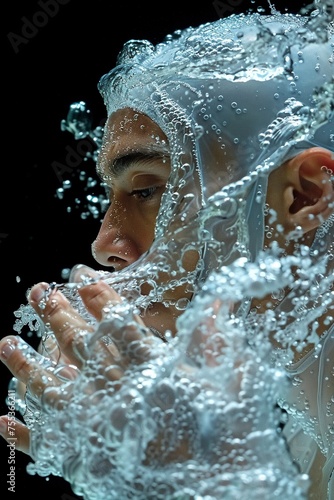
[309, 191]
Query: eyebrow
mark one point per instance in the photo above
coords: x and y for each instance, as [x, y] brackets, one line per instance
[122, 163]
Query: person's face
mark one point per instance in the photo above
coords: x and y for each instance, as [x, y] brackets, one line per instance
[134, 163]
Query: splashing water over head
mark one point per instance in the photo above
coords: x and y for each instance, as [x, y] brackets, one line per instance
[235, 100]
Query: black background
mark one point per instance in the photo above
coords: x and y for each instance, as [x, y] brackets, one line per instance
[56, 61]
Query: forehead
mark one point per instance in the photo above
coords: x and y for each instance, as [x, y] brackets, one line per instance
[130, 131]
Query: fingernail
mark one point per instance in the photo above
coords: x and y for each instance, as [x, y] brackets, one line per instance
[81, 273]
[7, 349]
[37, 293]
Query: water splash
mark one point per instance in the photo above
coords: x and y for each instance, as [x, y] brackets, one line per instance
[79, 123]
[212, 386]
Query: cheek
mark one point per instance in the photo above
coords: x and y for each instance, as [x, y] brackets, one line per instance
[142, 229]
[143, 216]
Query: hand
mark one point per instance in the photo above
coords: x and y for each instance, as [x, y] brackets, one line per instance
[126, 406]
[131, 345]
[58, 356]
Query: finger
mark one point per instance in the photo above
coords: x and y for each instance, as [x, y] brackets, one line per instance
[28, 366]
[20, 389]
[125, 329]
[49, 347]
[71, 329]
[56, 311]
[98, 296]
[15, 433]
[48, 385]
[94, 298]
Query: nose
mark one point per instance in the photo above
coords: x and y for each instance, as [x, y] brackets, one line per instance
[115, 245]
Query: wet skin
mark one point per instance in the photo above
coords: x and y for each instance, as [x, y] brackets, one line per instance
[134, 163]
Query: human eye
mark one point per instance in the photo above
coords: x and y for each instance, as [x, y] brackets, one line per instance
[144, 194]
